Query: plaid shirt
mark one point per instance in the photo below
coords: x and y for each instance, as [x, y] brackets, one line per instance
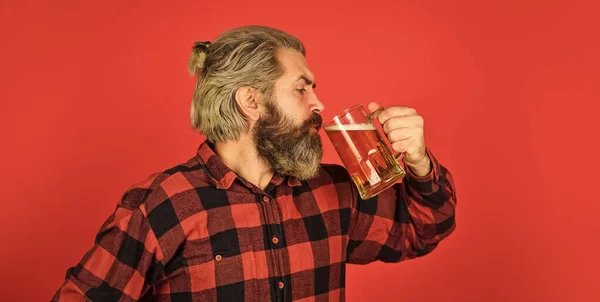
[200, 232]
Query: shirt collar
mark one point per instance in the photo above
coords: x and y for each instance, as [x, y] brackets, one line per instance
[293, 181]
[223, 177]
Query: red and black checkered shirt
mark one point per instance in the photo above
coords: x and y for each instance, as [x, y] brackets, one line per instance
[200, 232]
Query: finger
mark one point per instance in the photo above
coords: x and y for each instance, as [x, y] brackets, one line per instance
[400, 134]
[374, 106]
[413, 121]
[396, 111]
[402, 146]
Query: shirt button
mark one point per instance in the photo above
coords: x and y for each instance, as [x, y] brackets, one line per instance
[275, 240]
[265, 199]
[218, 257]
[280, 285]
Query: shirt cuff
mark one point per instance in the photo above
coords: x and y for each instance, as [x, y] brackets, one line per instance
[424, 183]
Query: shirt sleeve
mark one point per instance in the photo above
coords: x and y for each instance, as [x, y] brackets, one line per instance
[405, 221]
[123, 262]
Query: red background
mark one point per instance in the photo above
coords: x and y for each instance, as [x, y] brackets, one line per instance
[95, 97]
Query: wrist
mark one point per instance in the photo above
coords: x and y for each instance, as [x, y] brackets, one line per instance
[421, 167]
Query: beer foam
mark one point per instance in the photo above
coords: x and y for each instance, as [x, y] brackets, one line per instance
[350, 127]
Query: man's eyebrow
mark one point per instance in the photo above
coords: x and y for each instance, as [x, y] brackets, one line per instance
[307, 81]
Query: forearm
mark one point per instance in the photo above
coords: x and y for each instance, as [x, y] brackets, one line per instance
[404, 222]
[430, 203]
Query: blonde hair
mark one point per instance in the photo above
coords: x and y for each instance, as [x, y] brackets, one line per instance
[245, 56]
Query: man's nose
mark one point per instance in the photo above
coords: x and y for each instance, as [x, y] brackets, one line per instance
[316, 105]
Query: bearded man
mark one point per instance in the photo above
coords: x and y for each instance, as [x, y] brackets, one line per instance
[254, 215]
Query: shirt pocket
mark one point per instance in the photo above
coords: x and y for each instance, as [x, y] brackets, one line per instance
[226, 268]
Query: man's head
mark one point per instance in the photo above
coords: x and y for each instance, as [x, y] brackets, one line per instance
[255, 81]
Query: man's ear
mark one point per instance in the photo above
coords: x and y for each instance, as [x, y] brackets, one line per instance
[246, 98]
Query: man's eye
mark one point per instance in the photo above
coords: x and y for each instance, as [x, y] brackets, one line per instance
[302, 91]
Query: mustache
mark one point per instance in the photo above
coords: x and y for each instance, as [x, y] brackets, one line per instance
[315, 120]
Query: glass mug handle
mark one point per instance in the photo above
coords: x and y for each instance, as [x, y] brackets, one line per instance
[372, 117]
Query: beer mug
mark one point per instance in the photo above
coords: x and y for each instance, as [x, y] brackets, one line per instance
[370, 163]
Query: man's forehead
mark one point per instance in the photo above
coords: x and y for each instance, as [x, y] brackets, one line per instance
[295, 65]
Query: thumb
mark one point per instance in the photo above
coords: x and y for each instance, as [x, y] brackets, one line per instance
[373, 106]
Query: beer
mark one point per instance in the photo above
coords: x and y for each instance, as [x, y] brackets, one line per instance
[369, 161]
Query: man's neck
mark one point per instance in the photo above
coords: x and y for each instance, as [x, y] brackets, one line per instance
[242, 158]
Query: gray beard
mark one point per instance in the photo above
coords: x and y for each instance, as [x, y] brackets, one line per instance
[286, 148]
